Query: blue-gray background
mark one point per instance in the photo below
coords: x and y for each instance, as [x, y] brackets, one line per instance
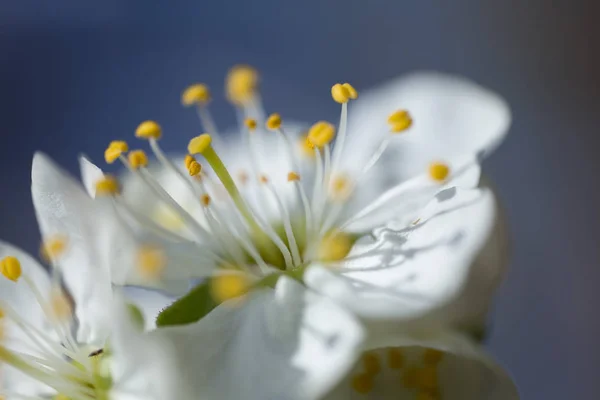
[75, 74]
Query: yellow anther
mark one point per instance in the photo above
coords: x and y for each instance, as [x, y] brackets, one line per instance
[114, 150]
[400, 121]
[371, 363]
[194, 168]
[426, 395]
[340, 188]
[306, 146]
[340, 93]
[250, 124]
[168, 218]
[195, 94]
[150, 262]
[274, 121]
[264, 179]
[293, 177]
[10, 268]
[205, 200]
[199, 144]
[432, 357]
[395, 358]
[439, 171]
[427, 377]
[137, 159]
[352, 93]
[362, 383]
[60, 306]
[409, 378]
[188, 160]
[148, 130]
[107, 186]
[335, 246]
[54, 247]
[227, 286]
[321, 134]
[241, 84]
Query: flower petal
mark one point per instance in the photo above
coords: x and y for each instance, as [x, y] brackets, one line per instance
[453, 117]
[282, 344]
[417, 273]
[459, 371]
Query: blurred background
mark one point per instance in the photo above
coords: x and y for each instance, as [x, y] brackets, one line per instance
[75, 74]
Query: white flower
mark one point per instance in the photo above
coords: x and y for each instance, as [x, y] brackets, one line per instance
[60, 332]
[345, 220]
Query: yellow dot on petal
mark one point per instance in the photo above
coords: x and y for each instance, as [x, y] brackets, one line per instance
[400, 121]
[362, 383]
[427, 377]
[352, 93]
[137, 159]
[241, 84]
[321, 133]
[263, 179]
[334, 246]
[60, 305]
[439, 171]
[250, 124]
[53, 247]
[205, 200]
[195, 94]
[371, 363]
[148, 130]
[432, 356]
[340, 93]
[340, 188]
[227, 286]
[293, 177]
[274, 121]
[10, 268]
[395, 358]
[107, 186]
[199, 144]
[150, 262]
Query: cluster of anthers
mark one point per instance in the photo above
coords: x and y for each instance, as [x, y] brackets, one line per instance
[240, 238]
[48, 350]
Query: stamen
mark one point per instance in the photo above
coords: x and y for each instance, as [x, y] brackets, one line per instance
[308, 218]
[137, 159]
[107, 186]
[395, 358]
[53, 248]
[197, 94]
[400, 121]
[148, 130]
[228, 285]
[194, 168]
[250, 124]
[60, 306]
[241, 84]
[274, 121]
[362, 383]
[439, 171]
[321, 134]
[10, 268]
[334, 247]
[115, 149]
[151, 262]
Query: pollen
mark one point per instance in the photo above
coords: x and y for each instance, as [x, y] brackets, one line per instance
[438, 171]
[371, 363]
[340, 93]
[199, 144]
[250, 124]
[395, 358]
[274, 121]
[228, 286]
[321, 133]
[148, 130]
[432, 357]
[205, 200]
[334, 246]
[54, 247]
[195, 94]
[137, 159]
[60, 306]
[10, 268]
[194, 168]
[400, 121]
[293, 177]
[241, 84]
[362, 383]
[151, 262]
[107, 186]
[114, 150]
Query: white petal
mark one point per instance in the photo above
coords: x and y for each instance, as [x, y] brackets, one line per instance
[63, 208]
[90, 175]
[453, 117]
[150, 302]
[282, 344]
[464, 373]
[419, 273]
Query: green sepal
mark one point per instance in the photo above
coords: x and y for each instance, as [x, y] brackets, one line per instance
[136, 315]
[190, 308]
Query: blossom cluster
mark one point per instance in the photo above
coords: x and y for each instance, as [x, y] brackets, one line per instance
[277, 261]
